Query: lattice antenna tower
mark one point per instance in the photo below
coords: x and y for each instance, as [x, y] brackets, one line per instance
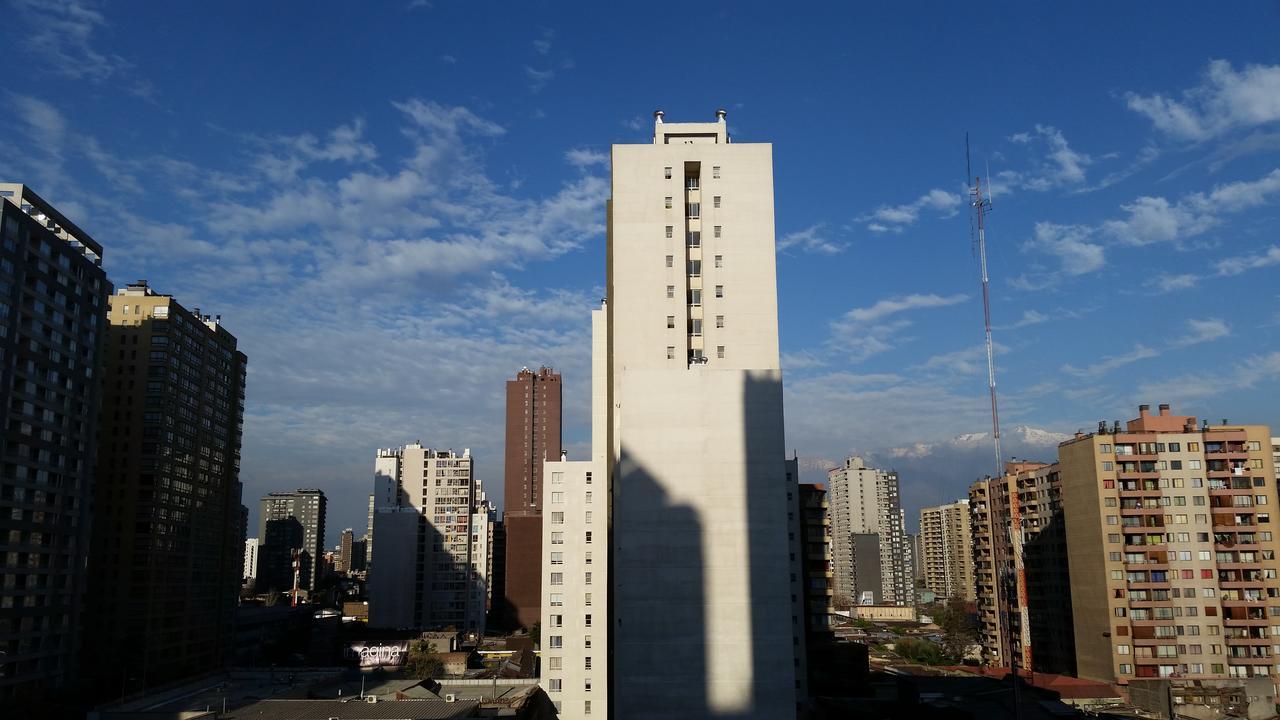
[979, 206]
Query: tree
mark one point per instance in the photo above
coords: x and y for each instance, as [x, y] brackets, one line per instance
[959, 630]
[422, 662]
[921, 651]
[841, 602]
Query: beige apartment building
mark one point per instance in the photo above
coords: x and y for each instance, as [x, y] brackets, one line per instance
[946, 548]
[1172, 549]
[702, 621]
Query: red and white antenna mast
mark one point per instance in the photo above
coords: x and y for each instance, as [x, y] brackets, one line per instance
[979, 206]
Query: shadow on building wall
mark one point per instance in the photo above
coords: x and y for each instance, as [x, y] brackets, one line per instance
[662, 627]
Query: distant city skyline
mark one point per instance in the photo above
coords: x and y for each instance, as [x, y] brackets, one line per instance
[390, 257]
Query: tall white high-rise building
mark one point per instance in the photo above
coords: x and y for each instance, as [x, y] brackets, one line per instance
[483, 515]
[701, 616]
[864, 501]
[575, 560]
[251, 558]
[421, 575]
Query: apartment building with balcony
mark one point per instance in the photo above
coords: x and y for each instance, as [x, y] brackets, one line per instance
[422, 574]
[1172, 549]
[946, 550]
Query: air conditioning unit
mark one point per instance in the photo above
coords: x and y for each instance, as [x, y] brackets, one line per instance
[450, 697]
[371, 698]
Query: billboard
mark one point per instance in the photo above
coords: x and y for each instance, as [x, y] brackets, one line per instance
[378, 654]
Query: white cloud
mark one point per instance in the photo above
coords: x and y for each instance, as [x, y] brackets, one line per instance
[892, 306]
[60, 33]
[1029, 317]
[1243, 375]
[1059, 166]
[1114, 362]
[863, 332]
[538, 79]
[1165, 283]
[1202, 331]
[1225, 99]
[895, 217]
[1071, 245]
[584, 158]
[1253, 261]
[542, 44]
[813, 239]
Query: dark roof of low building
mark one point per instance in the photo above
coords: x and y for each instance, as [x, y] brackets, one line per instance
[356, 710]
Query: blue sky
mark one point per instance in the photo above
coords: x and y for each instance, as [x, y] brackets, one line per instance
[395, 206]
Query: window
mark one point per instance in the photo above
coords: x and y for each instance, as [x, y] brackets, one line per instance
[671, 261]
[719, 291]
[557, 538]
[1175, 464]
[720, 351]
[1193, 447]
[668, 202]
[586, 685]
[557, 497]
[671, 322]
[1108, 465]
[588, 497]
[555, 663]
[557, 599]
[588, 516]
[557, 578]
[586, 705]
[586, 599]
[557, 558]
[719, 261]
[557, 620]
[671, 352]
[695, 327]
[695, 268]
[588, 537]
[717, 231]
[669, 230]
[1175, 447]
[671, 292]
[557, 518]
[554, 684]
[1104, 448]
[715, 171]
[666, 172]
[586, 622]
[556, 641]
[1193, 464]
[719, 321]
[695, 296]
[693, 238]
[586, 578]
[586, 641]
[694, 210]
[557, 478]
[716, 201]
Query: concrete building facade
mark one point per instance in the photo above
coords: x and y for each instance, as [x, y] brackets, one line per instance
[1171, 541]
[946, 547]
[289, 521]
[865, 501]
[533, 436]
[421, 573]
[53, 321]
[701, 613]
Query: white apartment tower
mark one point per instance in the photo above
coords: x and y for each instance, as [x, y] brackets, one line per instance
[422, 574]
[700, 607]
[575, 561]
[864, 501]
